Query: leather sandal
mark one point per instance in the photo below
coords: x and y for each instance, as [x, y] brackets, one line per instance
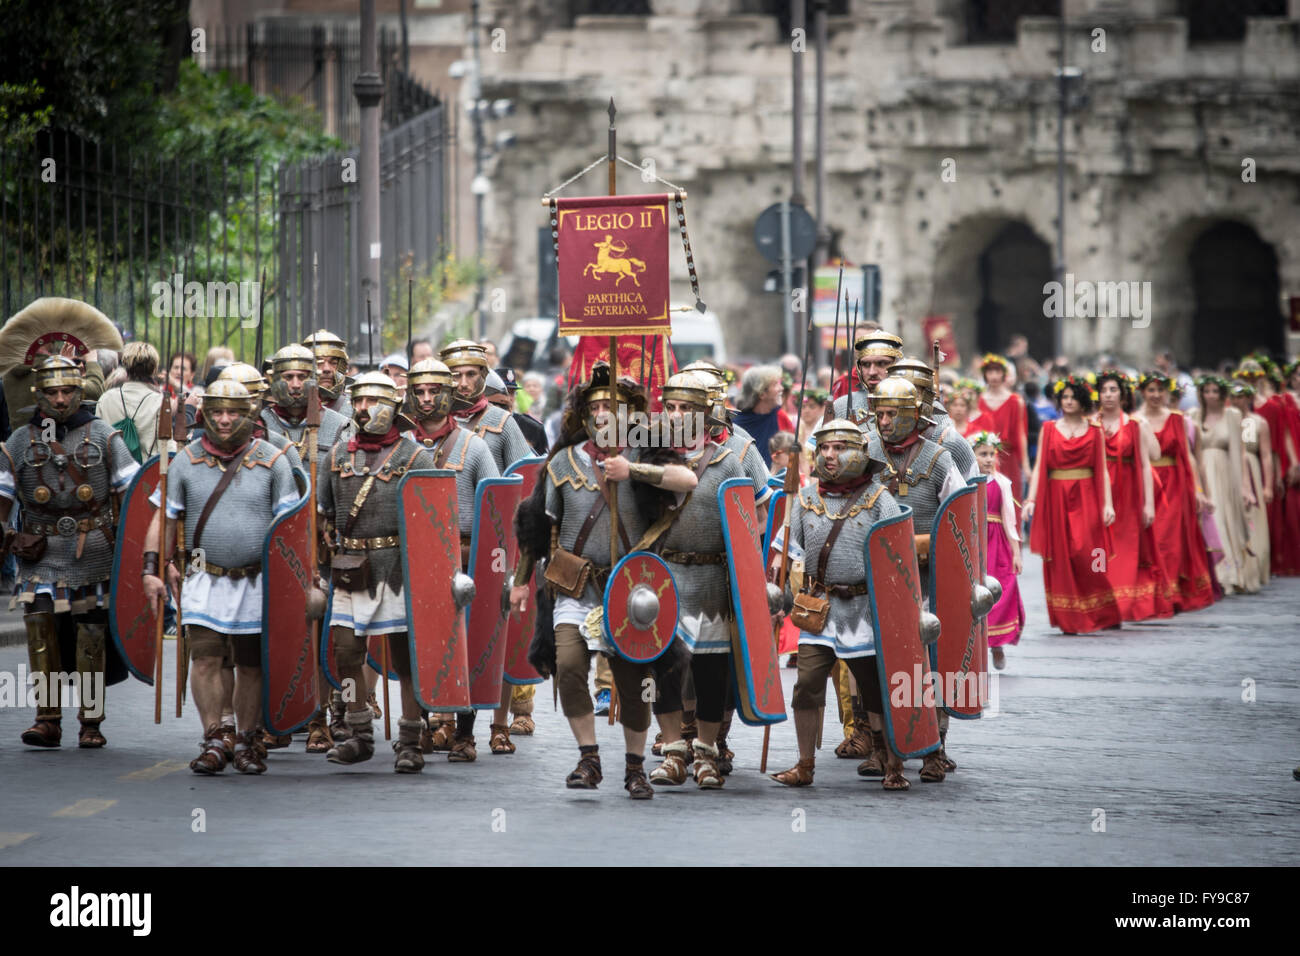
[932, 768]
[407, 745]
[707, 776]
[443, 737]
[587, 775]
[272, 741]
[672, 772]
[319, 740]
[800, 775]
[858, 745]
[657, 748]
[949, 765]
[894, 779]
[247, 759]
[463, 751]
[212, 758]
[374, 706]
[726, 757]
[874, 765]
[523, 725]
[46, 732]
[227, 733]
[500, 740]
[636, 784]
[90, 738]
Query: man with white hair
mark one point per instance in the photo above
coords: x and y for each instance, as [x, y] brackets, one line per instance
[760, 397]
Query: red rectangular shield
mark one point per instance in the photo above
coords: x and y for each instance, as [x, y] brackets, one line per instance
[613, 265]
[519, 628]
[960, 656]
[492, 553]
[131, 617]
[289, 695]
[760, 698]
[428, 525]
[911, 723]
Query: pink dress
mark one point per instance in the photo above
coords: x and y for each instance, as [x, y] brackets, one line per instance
[1007, 618]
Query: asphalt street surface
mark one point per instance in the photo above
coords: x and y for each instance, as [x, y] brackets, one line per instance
[1171, 742]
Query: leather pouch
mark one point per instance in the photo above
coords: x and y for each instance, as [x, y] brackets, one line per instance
[567, 573]
[29, 547]
[810, 612]
[350, 572]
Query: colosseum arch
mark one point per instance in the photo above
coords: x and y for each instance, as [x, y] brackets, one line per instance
[989, 272]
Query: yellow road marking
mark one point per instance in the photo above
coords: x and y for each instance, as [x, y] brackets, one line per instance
[13, 839]
[156, 771]
[84, 808]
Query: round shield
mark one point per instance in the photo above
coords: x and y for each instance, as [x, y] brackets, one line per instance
[640, 607]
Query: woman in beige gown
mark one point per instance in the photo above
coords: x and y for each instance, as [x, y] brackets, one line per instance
[1257, 450]
[1219, 456]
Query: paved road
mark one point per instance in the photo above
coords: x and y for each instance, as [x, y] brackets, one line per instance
[1147, 725]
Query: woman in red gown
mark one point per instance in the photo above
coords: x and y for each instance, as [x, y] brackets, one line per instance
[1135, 574]
[1069, 501]
[1180, 546]
[1003, 411]
[1284, 509]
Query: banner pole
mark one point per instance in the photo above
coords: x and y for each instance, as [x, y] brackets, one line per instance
[613, 392]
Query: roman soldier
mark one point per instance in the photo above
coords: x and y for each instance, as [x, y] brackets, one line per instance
[257, 386]
[941, 432]
[357, 494]
[501, 391]
[829, 525]
[330, 356]
[427, 407]
[566, 522]
[64, 467]
[723, 431]
[874, 353]
[922, 475]
[695, 551]
[220, 485]
[284, 411]
[469, 368]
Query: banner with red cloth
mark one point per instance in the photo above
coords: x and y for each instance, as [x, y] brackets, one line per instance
[643, 358]
[612, 259]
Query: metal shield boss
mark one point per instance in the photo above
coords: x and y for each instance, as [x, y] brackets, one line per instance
[960, 601]
[429, 529]
[911, 721]
[520, 627]
[640, 607]
[759, 696]
[289, 696]
[130, 615]
[492, 557]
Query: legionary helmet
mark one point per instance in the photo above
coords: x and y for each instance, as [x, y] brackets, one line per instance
[854, 461]
[599, 389]
[324, 344]
[250, 378]
[379, 417]
[429, 372]
[717, 418]
[58, 371]
[464, 352]
[228, 393]
[922, 378]
[291, 358]
[900, 395]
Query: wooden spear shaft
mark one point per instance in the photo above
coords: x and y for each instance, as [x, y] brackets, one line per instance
[613, 393]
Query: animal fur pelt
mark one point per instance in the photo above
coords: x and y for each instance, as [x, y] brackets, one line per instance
[93, 328]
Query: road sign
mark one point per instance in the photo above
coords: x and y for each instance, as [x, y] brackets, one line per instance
[803, 232]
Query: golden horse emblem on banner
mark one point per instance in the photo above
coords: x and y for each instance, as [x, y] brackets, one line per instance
[610, 261]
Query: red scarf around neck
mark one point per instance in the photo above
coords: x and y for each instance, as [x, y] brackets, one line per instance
[597, 453]
[443, 430]
[220, 453]
[473, 410]
[367, 442]
[906, 443]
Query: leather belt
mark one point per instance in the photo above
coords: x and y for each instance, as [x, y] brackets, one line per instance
[1164, 462]
[841, 590]
[235, 574]
[370, 544]
[67, 525]
[695, 557]
[1068, 474]
[1126, 460]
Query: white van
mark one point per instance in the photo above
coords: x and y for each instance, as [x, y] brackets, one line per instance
[697, 336]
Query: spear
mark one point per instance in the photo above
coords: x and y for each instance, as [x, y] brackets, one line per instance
[852, 361]
[839, 291]
[410, 308]
[370, 334]
[261, 312]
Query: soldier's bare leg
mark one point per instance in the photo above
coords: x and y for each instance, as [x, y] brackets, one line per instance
[815, 663]
[500, 740]
[350, 655]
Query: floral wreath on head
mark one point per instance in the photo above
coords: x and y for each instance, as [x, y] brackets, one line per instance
[1154, 375]
[1218, 380]
[992, 439]
[1241, 388]
[967, 385]
[992, 358]
[1290, 368]
[1271, 370]
[1086, 382]
[1120, 377]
